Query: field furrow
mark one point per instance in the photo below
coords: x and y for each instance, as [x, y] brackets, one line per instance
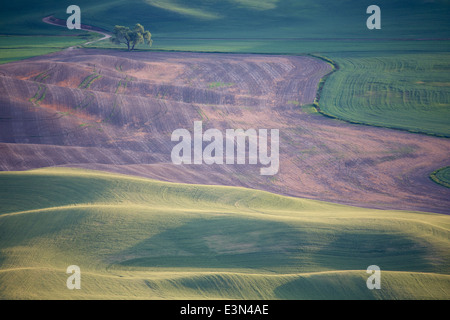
[129, 105]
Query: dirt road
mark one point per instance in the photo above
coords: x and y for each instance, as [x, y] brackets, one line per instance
[62, 23]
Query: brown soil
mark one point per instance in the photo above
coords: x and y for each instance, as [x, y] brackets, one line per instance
[116, 111]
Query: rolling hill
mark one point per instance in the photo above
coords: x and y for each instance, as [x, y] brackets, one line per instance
[403, 99]
[241, 18]
[135, 238]
[102, 120]
[116, 111]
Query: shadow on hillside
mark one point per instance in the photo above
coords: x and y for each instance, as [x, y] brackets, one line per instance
[240, 243]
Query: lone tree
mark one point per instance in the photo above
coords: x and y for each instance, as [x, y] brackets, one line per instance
[131, 37]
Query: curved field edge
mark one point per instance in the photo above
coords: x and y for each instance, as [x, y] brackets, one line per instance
[426, 119]
[441, 176]
[328, 109]
[135, 238]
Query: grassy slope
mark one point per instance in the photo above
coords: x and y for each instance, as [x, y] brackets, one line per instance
[242, 18]
[262, 25]
[14, 48]
[409, 91]
[140, 239]
[137, 238]
[23, 34]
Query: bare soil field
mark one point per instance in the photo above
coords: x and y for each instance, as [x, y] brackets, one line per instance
[116, 111]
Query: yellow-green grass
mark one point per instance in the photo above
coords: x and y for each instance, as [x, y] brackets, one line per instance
[408, 91]
[14, 48]
[135, 238]
[442, 176]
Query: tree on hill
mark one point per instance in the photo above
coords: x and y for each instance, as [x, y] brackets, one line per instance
[131, 37]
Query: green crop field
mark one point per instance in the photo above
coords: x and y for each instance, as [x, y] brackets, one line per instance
[137, 238]
[263, 26]
[14, 48]
[240, 18]
[408, 91]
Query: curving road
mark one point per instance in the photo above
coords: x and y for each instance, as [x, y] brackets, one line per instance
[61, 23]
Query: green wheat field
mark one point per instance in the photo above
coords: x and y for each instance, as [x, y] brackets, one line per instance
[136, 238]
[143, 239]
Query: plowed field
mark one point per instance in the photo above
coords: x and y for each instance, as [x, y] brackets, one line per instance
[116, 111]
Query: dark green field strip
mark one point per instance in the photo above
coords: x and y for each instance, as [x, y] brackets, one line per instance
[442, 176]
[87, 82]
[39, 96]
[237, 18]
